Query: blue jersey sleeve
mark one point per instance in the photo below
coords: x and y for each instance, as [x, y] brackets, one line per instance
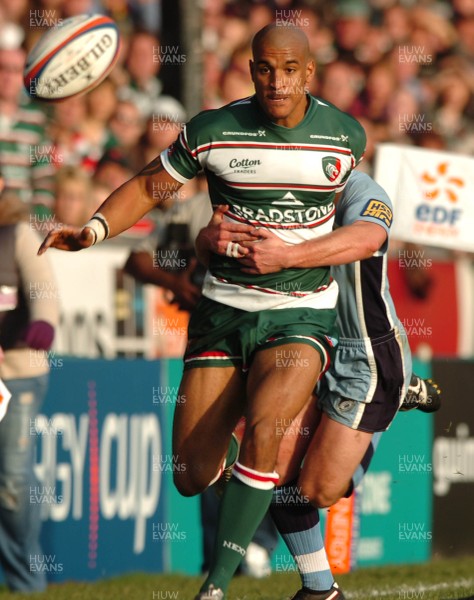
[364, 200]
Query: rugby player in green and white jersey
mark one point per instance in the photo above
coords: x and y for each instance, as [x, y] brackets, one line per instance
[364, 386]
[277, 159]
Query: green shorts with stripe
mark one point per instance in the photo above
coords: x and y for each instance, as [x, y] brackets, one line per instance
[222, 336]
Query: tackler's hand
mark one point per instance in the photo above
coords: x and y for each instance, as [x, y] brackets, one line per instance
[267, 254]
[223, 237]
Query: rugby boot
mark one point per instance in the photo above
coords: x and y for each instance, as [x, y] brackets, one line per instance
[422, 394]
[211, 593]
[335, 593]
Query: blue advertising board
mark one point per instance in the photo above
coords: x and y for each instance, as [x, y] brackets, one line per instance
[100, 439]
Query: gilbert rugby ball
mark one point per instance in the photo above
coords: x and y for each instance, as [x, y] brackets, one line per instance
[72, 57]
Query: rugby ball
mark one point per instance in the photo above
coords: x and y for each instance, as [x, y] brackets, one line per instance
[72, 57]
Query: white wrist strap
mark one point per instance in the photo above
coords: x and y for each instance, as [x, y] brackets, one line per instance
[99, 226]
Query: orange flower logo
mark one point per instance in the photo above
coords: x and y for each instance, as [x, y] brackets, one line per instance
[441, 183]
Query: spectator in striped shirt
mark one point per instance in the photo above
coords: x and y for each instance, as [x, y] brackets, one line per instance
[26, 156]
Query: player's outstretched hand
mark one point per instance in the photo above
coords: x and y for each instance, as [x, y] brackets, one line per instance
[66, 237]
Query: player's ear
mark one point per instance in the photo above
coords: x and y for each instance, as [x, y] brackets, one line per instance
[251, 68]
[310, 70]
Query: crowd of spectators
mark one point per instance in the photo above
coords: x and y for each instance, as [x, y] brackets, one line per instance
[64, 158]
[405, 69]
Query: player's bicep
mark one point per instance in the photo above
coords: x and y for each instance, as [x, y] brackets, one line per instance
[159, 184]
[373, 233]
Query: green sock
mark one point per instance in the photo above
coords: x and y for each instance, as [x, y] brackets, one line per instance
[242, 509]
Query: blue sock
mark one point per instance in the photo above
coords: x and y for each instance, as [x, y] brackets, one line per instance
[298, 523]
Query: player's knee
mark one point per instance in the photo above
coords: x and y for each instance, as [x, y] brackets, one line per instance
[260, 438]
[189, 483]
[318, 494]
[186, 487]
[325, 500]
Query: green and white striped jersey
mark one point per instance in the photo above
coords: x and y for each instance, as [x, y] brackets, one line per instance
[280, 178]
[26, 155]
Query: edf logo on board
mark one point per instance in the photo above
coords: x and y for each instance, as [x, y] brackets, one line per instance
[440, 185]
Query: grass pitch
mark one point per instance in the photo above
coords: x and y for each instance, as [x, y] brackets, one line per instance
[438, 580]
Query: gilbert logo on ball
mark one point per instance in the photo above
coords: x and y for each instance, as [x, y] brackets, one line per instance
[72, 57]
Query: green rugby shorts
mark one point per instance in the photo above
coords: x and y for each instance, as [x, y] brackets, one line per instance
[223, 336]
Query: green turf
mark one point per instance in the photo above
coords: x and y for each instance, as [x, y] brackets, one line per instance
[439, 580]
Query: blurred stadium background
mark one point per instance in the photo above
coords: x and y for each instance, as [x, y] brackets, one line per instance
[406, 71]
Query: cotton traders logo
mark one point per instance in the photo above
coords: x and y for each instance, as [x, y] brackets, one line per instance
[331, 167]
[246, 165]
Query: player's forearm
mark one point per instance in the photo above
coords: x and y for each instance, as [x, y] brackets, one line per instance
[135, 198]
[126, 205]
[344, 245]
[121, 210]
